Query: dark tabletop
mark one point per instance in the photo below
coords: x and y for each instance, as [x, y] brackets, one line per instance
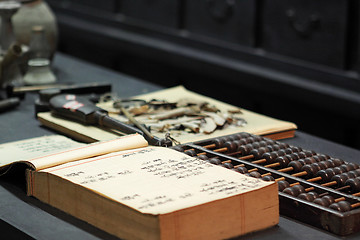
[23, 217]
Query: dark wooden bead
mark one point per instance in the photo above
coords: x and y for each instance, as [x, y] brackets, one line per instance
[255, 174]
[241, 170]
[311, 170]
[354, 184]
[309, 160]
[342, 206]
[283, 145]
[301, 155]
[306, 196]
[294, 156]
[215, 161]
[340, 179]
[245, 149]
[268, 178]
[315, 194]
[203, 157]
[296, 165]
[326, 174]
[219, 142]
[257, 153]
[231, 146]
[227, 165]
[190, 152]
[294, 190]
[288, 150]
[270, 157]
[338, 170]
[347, 167]
[324, 164]
[178, 148]
[299, 188]
[321, 202]
[329, 198]
[283, 161]
[308, 153]
[282, 185]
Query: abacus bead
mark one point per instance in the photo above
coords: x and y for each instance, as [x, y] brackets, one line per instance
[342, 206]
[244, 150]
[338, 170]
[270, 157]
[231, 146]
[241, 170]
[294, 156]
[255, 174]
[299, 188]
[257, 153]
[306, 196]
[354, 184]
[329, 198]
[340, 179]
[283, 161]
[316, 158]
[321, 201]
[219, 142]
[324, 164]
[308, 153]
[283, 145]
[215, 161]
[296, 165]
[203, 157]
[227, 165]
[268, 178]
[309, 160]
[347, 167]
[326, 174]
[301, 155]
[190, 152]
[314, 194]
[178, 148]
[311, 170]
[293, 191]
[282, 185]
[337, 161]
[256, 145]
[288, 150]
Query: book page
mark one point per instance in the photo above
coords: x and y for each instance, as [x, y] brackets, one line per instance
[156, 180]
[89, 150]
[34, 147]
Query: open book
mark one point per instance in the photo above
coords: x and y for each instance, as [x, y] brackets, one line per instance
[135, 191]
[255, 123]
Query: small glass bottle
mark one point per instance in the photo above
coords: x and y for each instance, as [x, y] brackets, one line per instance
[39, 71]
[38, 46]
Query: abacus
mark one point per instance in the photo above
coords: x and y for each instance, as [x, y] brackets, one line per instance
[314, 188]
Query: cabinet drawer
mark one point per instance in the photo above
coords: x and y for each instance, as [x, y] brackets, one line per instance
[228, 20]
[159, 12]
[105, 5]
[309, 30]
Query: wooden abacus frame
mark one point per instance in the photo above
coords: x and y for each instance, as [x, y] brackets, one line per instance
[340, 223]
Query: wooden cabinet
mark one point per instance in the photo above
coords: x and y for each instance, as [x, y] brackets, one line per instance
[226, 20]
[313, 31]
[148, 12]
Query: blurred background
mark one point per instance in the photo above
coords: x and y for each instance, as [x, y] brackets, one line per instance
[296, 60]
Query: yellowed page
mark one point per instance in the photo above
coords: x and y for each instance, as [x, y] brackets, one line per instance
[156, 180]
[34, 147]
[90, 150]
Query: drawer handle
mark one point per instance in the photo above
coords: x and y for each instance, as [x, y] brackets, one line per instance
[303, 28]
[220, 10]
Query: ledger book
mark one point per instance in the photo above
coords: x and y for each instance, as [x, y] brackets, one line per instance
[136, 191]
